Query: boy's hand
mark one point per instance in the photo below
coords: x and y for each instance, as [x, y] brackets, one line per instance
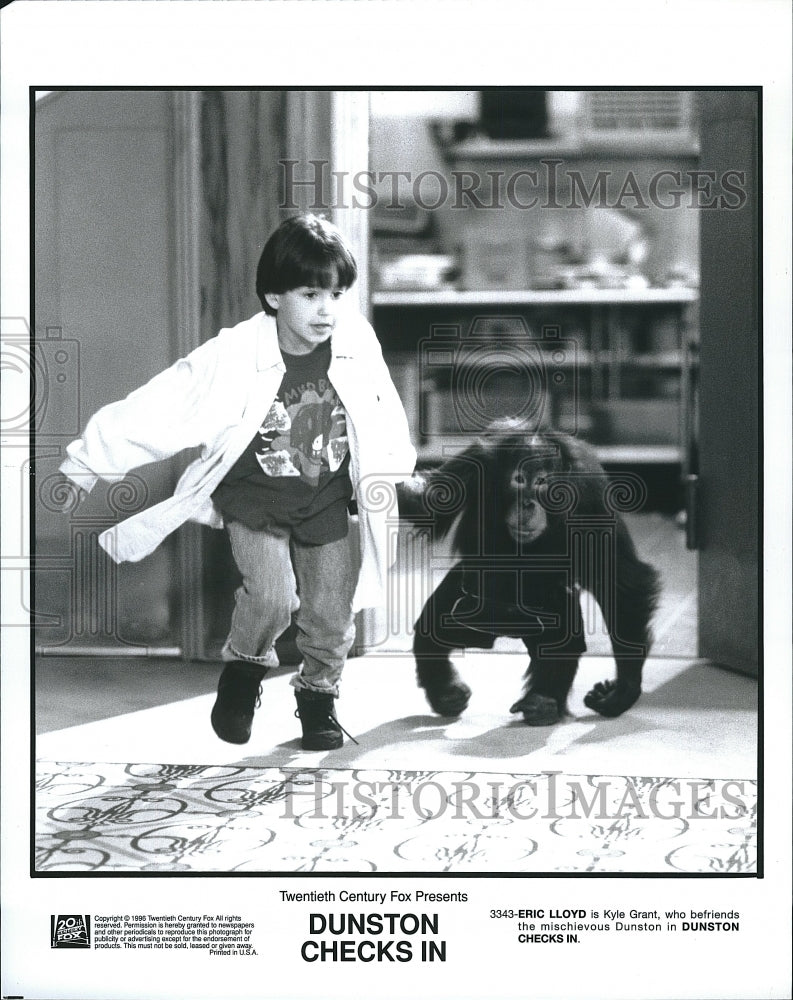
[411, 496]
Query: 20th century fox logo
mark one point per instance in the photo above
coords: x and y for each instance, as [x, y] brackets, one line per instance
[70, 930]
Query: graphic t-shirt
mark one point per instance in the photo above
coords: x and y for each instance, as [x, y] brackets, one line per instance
[295, 471]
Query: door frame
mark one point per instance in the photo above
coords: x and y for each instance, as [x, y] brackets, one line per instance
[730, 419]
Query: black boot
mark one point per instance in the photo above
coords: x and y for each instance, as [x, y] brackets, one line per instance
[317, 714]
[239, 691]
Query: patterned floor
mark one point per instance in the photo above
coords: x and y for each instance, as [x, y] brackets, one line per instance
[483, 793]
[233, 818]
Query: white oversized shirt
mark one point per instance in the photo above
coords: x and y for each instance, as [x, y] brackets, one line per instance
[215, 399]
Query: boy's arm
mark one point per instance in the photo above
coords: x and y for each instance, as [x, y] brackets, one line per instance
[161, 418]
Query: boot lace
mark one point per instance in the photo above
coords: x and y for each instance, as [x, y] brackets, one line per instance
[326, 717]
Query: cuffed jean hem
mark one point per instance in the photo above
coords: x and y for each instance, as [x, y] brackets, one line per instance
[229, 654]
[299, 683]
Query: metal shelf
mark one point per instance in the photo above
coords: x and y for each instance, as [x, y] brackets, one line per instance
[535, 297]
[653, 362]
[616, 144]
[639, 454]
[612, 454]
[604, 363]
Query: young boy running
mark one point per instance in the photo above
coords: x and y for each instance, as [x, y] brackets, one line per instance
[298, 421]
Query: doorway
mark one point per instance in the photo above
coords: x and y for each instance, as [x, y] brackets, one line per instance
[197, 145]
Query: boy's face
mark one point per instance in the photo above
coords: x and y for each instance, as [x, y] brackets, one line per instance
[306, 316]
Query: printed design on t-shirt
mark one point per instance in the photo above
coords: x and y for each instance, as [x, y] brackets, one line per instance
[307, 438]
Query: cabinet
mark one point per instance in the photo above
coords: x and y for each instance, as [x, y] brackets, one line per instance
[613, 366]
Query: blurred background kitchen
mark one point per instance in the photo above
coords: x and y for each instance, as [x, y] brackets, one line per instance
[588, 259]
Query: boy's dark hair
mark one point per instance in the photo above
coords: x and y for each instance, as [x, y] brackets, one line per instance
[305, 251]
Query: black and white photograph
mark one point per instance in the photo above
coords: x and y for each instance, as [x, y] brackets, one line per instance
[392, 472]
[535, 417]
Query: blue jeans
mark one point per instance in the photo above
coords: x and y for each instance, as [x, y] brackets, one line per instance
[280, 575]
